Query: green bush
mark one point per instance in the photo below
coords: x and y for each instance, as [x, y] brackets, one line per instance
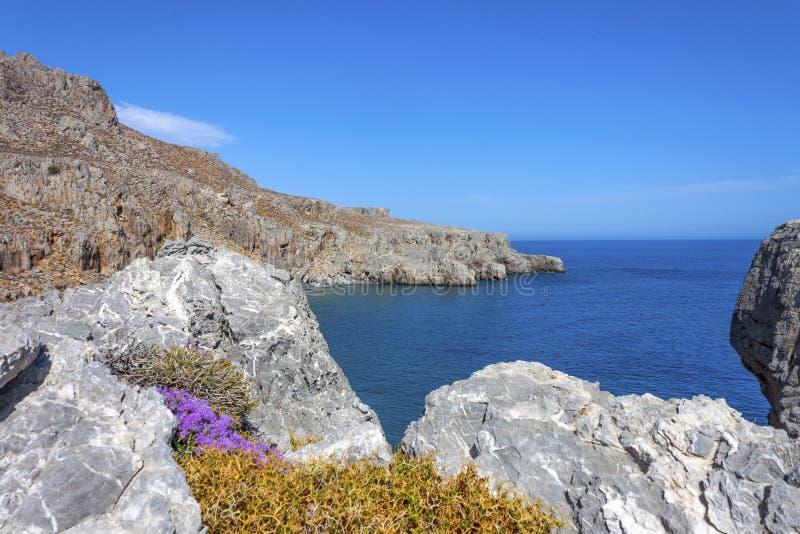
[238, 492]
[53, 169]
[193, 369]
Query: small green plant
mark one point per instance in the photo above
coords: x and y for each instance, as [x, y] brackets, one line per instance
[189, 368]
[53, 169]
[295, 442]
[238, 492]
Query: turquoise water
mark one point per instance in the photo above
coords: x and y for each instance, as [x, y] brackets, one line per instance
[636, 316]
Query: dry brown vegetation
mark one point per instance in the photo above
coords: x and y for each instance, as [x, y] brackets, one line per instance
[238, 494]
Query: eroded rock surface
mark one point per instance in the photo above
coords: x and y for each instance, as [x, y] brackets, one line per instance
[79, 449]
[250, 312]
[81, 452]
[614, 464]
[81, 196]
[766, 324]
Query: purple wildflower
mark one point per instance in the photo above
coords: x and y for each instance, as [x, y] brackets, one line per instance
[198, 421]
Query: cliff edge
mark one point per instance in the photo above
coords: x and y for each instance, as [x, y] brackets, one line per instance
[765, 328]
[82, 195]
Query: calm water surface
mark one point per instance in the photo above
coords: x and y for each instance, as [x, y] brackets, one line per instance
[636, 316]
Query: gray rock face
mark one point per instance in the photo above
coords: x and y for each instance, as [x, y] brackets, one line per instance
[81, 452]
[766, 324]
[250, 312]
[81, 196]
[614, 464]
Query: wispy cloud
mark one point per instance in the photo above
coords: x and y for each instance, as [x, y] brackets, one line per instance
[173, 128]
[718, 187]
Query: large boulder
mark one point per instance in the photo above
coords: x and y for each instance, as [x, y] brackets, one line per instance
[614, 464]
[250, 312]
[81, 450]
[766, 324]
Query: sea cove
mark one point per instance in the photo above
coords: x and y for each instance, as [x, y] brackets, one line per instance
[636, 316]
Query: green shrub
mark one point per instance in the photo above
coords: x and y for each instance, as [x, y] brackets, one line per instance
[239, 493]
[202, 374]
[53, 169]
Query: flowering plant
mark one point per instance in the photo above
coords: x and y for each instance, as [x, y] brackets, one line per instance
[199, 427]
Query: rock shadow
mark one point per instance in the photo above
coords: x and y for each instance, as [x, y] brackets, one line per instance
[24, 384]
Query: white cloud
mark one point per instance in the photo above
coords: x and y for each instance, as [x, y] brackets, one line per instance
[172, 128]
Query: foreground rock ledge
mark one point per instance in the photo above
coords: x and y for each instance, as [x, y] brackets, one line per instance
[765, 329]
[614, 464]
[79, 449]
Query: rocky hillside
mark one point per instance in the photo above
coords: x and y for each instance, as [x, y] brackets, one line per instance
[765, 329]
[81, 195]
[614, 464]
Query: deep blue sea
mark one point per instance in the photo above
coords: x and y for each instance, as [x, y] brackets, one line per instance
[636, 316]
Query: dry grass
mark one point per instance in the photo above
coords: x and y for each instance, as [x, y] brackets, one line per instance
[202, 374]
[237, 494]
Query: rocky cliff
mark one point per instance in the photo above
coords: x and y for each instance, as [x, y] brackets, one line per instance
[614, 464]
[765, 329]
[82, 195]
[79, 449]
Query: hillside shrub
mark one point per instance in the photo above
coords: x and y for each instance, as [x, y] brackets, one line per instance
[53, 169]
[189, 368]
[239, 493]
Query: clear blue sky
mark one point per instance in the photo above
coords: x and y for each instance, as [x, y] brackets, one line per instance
[541, 119]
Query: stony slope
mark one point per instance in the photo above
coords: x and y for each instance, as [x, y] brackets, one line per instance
[80, 449]
[614, 464]
[765, 329]
[81, 195]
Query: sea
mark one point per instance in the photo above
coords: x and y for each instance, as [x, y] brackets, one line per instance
[636, 316]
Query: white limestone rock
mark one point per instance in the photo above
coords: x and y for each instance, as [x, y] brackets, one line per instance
[614, 464]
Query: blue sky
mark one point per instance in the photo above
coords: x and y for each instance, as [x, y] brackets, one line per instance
[545, 120]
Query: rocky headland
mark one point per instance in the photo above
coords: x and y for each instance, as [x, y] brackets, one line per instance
[112, 240]
[766, 324]
[82, 195]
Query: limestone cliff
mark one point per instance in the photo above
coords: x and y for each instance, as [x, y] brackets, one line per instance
[765, 329]
[614, 464]
[82, 195]
[81, 450]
